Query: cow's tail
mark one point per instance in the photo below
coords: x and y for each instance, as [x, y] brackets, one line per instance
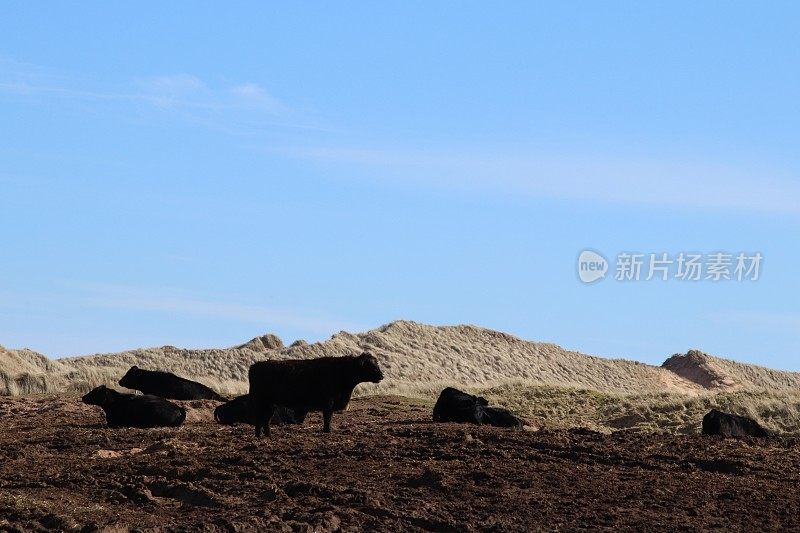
[218, 398]
[216, 415]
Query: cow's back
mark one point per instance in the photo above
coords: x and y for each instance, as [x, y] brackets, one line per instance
[143, 411]
[238, 411]
[454, 405]
[168, 385]
[499, 417]
[729, 425]
[302, 384]
[290, 383]
[235, 411]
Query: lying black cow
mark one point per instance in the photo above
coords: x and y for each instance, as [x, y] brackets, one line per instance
[728, 425]
[305, 385]
[135, 411]
[237, 411]
[167, 385]
[456, 406]
[497, 416]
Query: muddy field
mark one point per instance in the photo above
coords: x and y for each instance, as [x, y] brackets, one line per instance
[385, 467]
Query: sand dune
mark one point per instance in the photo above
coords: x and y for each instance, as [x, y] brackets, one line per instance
[413, 356]
[541, 380]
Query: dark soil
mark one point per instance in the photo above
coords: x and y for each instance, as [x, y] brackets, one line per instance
[386, 467]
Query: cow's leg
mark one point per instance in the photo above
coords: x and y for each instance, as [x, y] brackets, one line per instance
[254, 407]
[326, 420]
[263, 415]
[256, 411]
[268, 412]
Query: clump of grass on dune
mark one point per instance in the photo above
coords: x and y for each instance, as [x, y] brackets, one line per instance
[665, 412]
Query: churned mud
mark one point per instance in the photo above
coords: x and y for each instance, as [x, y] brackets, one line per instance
[386, 467]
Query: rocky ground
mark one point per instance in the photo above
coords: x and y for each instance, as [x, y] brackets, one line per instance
[385, 467]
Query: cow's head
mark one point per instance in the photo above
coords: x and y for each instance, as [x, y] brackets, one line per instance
[221, 414]
[129, 380]
[368, 369]
[98, 396]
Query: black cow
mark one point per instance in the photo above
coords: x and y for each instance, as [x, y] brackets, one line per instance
[728, 425]
[497, 416]
[135, 411]
[237, 411]
[324, 384]
[456, 406]
[167, 385]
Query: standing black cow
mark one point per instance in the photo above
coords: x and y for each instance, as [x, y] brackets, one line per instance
[135, 411]
[728, 425]
[324, 384]
[237, 411]
[167, 385]
[456, 406]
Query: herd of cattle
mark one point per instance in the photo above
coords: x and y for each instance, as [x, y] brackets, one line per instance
[283, 392]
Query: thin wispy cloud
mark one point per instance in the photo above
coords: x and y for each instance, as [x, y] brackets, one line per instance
[784, 322]
[177, 89]
[175, 302]
[186, 90]
[246, 104]
[21, 88]
[254, 96]
[613, 180]
[177, 83]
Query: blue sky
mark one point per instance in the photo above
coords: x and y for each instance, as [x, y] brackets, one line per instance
[198, 175]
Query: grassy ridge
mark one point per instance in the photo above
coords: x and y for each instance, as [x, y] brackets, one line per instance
[674, 413]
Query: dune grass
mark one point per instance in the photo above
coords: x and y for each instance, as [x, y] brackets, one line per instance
[668, 412]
